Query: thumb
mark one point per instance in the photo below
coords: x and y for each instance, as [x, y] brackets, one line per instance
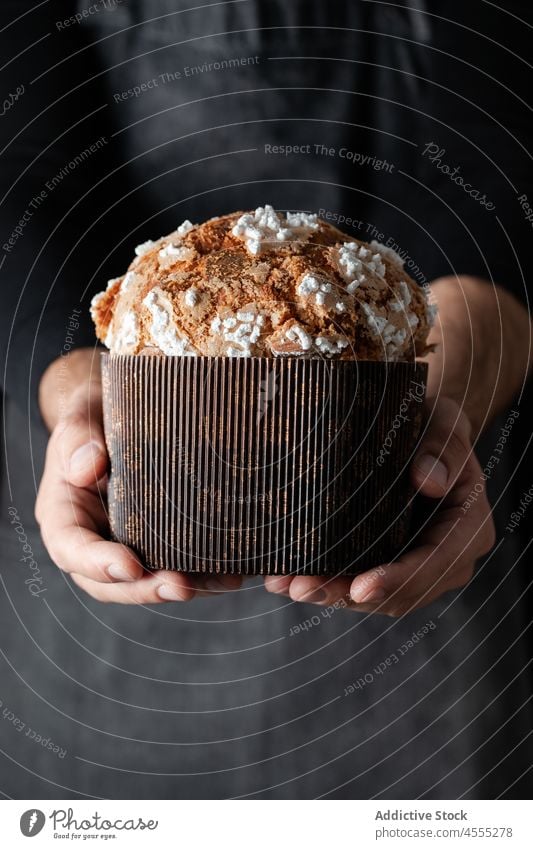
[444, 451]
[80, 443]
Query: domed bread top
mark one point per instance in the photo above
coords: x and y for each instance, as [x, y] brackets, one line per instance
[264, 284]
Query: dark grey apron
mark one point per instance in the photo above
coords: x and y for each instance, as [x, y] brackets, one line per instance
[251, 695]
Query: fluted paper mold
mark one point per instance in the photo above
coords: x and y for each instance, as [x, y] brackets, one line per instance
[260, 466]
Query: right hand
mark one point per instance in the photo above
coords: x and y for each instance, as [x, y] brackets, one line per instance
[71, 512]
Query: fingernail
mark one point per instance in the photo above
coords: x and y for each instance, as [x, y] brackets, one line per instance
[364, 597]
[277, 586]
[119, 573]
[433, 469]
[85, 457]
[169, 593]
[315, 596]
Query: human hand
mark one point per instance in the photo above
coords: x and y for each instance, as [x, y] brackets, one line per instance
[71, 512]
[446, 469]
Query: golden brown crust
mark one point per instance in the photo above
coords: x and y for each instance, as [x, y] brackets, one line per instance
[104, 307]
[201, 290]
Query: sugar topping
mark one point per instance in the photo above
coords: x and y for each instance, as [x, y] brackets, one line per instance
[124, 338]
[308, 284]
[176, 252]
[144, 247]
[322, 291]
[388, 253]
[405, 293]
[297, 333]
[265, 227]
[317, 286]
[385, 327]
[376, 322]
[128, 281]
[95, 300]
[184, 228]
[331, 345]
[356, 263]
[163, 331]
[242, 330]
[191, 297]
[109, 341]
[431, 312]
[302, 221]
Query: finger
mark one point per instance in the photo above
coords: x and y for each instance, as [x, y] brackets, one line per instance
[320, 590]
[444, 560]
[278, 584]
[314, 590]
[412, 575]
[80, 448]
[443, 452]
[70, 527]
[152, 588]
[82, 550]
[311, 589]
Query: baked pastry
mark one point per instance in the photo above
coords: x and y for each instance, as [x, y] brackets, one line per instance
[262, 397]
[263, 284]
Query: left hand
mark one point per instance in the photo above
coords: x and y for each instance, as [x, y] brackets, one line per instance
[446, 469]
[72, 516]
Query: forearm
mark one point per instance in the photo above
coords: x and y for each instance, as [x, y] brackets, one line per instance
[483, 347]
[68, 382]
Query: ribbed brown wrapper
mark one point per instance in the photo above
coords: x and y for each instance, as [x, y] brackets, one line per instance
[261, 466]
